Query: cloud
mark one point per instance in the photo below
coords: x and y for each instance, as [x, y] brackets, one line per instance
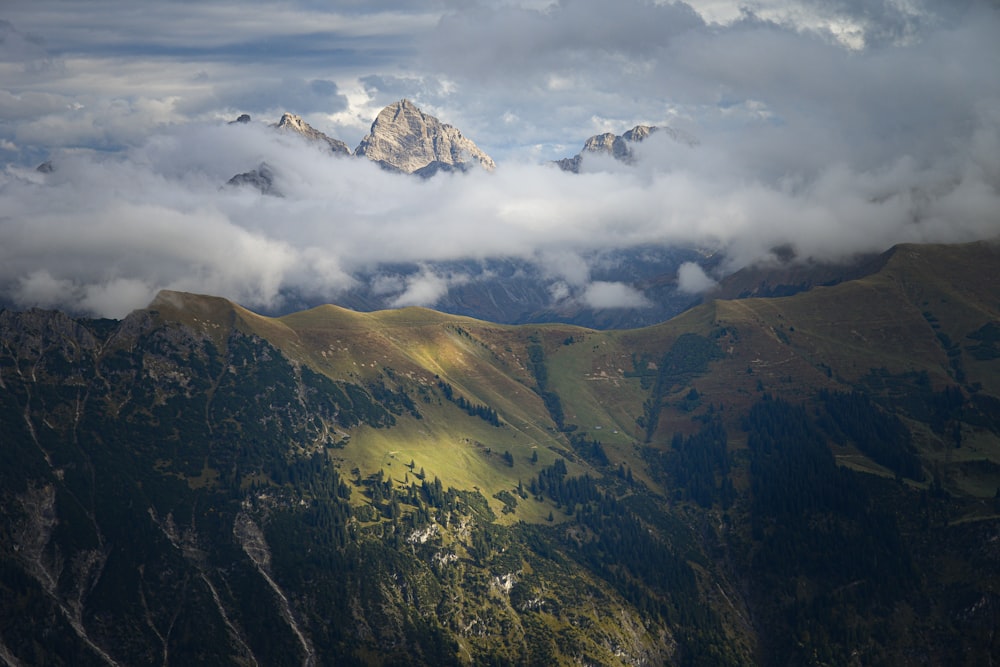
[425, 288]
[114, 228]
[21, 48]
[692, 279]
[600, 294]
[828, 128]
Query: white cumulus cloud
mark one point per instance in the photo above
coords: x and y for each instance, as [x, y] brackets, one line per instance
[692, 279]
[600, 294]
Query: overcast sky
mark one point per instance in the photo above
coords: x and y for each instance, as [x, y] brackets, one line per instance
[833, 127]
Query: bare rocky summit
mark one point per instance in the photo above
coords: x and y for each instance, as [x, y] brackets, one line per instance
[406, 139]
[261, 179]
[292, 123]
[619, 147]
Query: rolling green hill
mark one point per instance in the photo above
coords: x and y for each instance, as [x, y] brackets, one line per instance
[811, 479]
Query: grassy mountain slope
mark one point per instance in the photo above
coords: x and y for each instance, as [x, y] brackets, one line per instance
[810, 479]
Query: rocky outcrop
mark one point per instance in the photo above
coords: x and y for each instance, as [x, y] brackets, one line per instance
[619, 147]
[405, 138]
[432, 168]
[291, 123]
[260, 179]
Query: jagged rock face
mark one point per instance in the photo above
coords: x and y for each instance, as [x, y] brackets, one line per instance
[292, 123]
[607, 143]
[610, 144]
[406, 138]
[261, 179]
[640, 132]
[433, 168]
[619, 147]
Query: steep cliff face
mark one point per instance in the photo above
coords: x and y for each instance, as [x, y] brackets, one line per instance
[406, 139]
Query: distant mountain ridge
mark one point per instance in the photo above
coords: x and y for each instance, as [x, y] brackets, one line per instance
[514, 290]
[402, 138]
[620, 147]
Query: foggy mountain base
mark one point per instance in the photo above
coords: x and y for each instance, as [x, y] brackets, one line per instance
[101, 234]
[820, 130]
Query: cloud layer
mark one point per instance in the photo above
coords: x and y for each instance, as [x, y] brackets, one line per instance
[829, 128]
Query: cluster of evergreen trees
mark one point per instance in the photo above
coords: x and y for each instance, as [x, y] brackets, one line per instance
[638, 557]
[879, 434]
[553, 481]
[987, 337]
[484, 412]
[395, 400]
[536, 364]
[814, 523]
[687, 357]
[590, 448]
[699, 466]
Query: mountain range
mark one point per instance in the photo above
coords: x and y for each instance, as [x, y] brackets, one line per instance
[515, 290]
[512, 290]
[402, 139]
[803, 479]
[620, 147]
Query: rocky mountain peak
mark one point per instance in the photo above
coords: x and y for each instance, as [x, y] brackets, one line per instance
[640, 132]
[619, 146]
[292, 123]
[406, 139]
[261, 179]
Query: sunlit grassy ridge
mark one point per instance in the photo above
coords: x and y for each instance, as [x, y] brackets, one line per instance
[414, 350]
[912, 318]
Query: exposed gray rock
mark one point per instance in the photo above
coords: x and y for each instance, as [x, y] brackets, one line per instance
[243, 119]
[406, 138]
[292, 123]
[432, 168]
[619, 146]
[261, 179]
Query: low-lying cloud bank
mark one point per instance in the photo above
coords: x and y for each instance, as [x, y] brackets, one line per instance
[102, 233]
[823, 129]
